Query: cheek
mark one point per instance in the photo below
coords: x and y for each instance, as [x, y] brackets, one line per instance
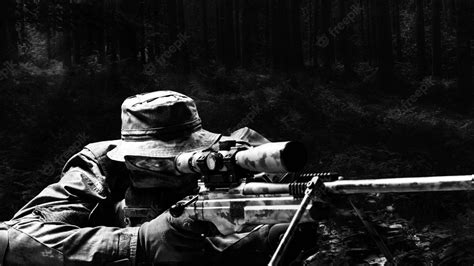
[141, 179]
[176, 182]
[185, 180]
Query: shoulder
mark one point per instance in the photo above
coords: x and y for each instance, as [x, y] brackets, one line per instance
[248, 135]
[94, 152]
[99, 149]
[93, 162]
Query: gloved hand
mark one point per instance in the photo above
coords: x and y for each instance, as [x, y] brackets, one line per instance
[257, 247]
[264, 239]
[253, 249]
[166, 239]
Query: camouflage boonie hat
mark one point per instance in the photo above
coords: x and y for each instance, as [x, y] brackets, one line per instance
[160, 124]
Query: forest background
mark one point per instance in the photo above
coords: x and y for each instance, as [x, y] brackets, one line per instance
[374, 88]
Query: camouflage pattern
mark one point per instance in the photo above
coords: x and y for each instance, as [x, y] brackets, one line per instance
[400, 185]
[275, 157]
[231, 215]
[231, 211]
[265, 203]
[383, 185]
[271, 157]
[160, 124]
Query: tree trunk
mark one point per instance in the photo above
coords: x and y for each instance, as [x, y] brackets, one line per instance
[8, 34]
[280, 34]
[101, 33]
[327, 39]
[268, 32]
[236, 28]
[228, 38]
[276, 32]
[167, 57]
[249, 32]
[362, 31]
[295, 51]
[44, 19]
[290, 52]
[67, 60]
[205, 37]
[372, 15]
[252, 30]
[242, 40]
[22, 33]
[183, 49]
[370, 32]
[383, 43]
[451, 10]
[282, 30]
[114, 42]
[142, 32]
[220, 31]
[158, 20]
[464, 64]
[128, 28]
[345, 44]
[314, 33]
[420, 38]
[77, 26]
[91, 30]
[444, 4]
[396, 28]
[436, 37]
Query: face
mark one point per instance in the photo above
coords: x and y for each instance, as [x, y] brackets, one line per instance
[147, 172]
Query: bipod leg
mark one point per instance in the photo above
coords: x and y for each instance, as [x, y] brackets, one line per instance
[315, 187]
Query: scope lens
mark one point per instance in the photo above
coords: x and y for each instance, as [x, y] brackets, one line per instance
[294, 156]
[211, 161]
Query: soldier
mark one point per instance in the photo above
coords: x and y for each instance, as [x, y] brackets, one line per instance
[70, 222]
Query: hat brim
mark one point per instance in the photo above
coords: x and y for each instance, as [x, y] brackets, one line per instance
[198, 140]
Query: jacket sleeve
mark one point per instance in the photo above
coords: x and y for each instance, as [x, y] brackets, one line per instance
[54, 228]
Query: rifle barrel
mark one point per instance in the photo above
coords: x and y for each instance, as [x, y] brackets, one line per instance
[384, 185]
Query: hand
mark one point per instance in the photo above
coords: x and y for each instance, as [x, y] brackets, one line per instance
[264, 239]
[166, 239]
[257, 247]
[252, 249]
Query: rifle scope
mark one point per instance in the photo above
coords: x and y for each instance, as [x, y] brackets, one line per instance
[275, 157]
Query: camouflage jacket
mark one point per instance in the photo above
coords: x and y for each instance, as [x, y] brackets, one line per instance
[70, 222]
